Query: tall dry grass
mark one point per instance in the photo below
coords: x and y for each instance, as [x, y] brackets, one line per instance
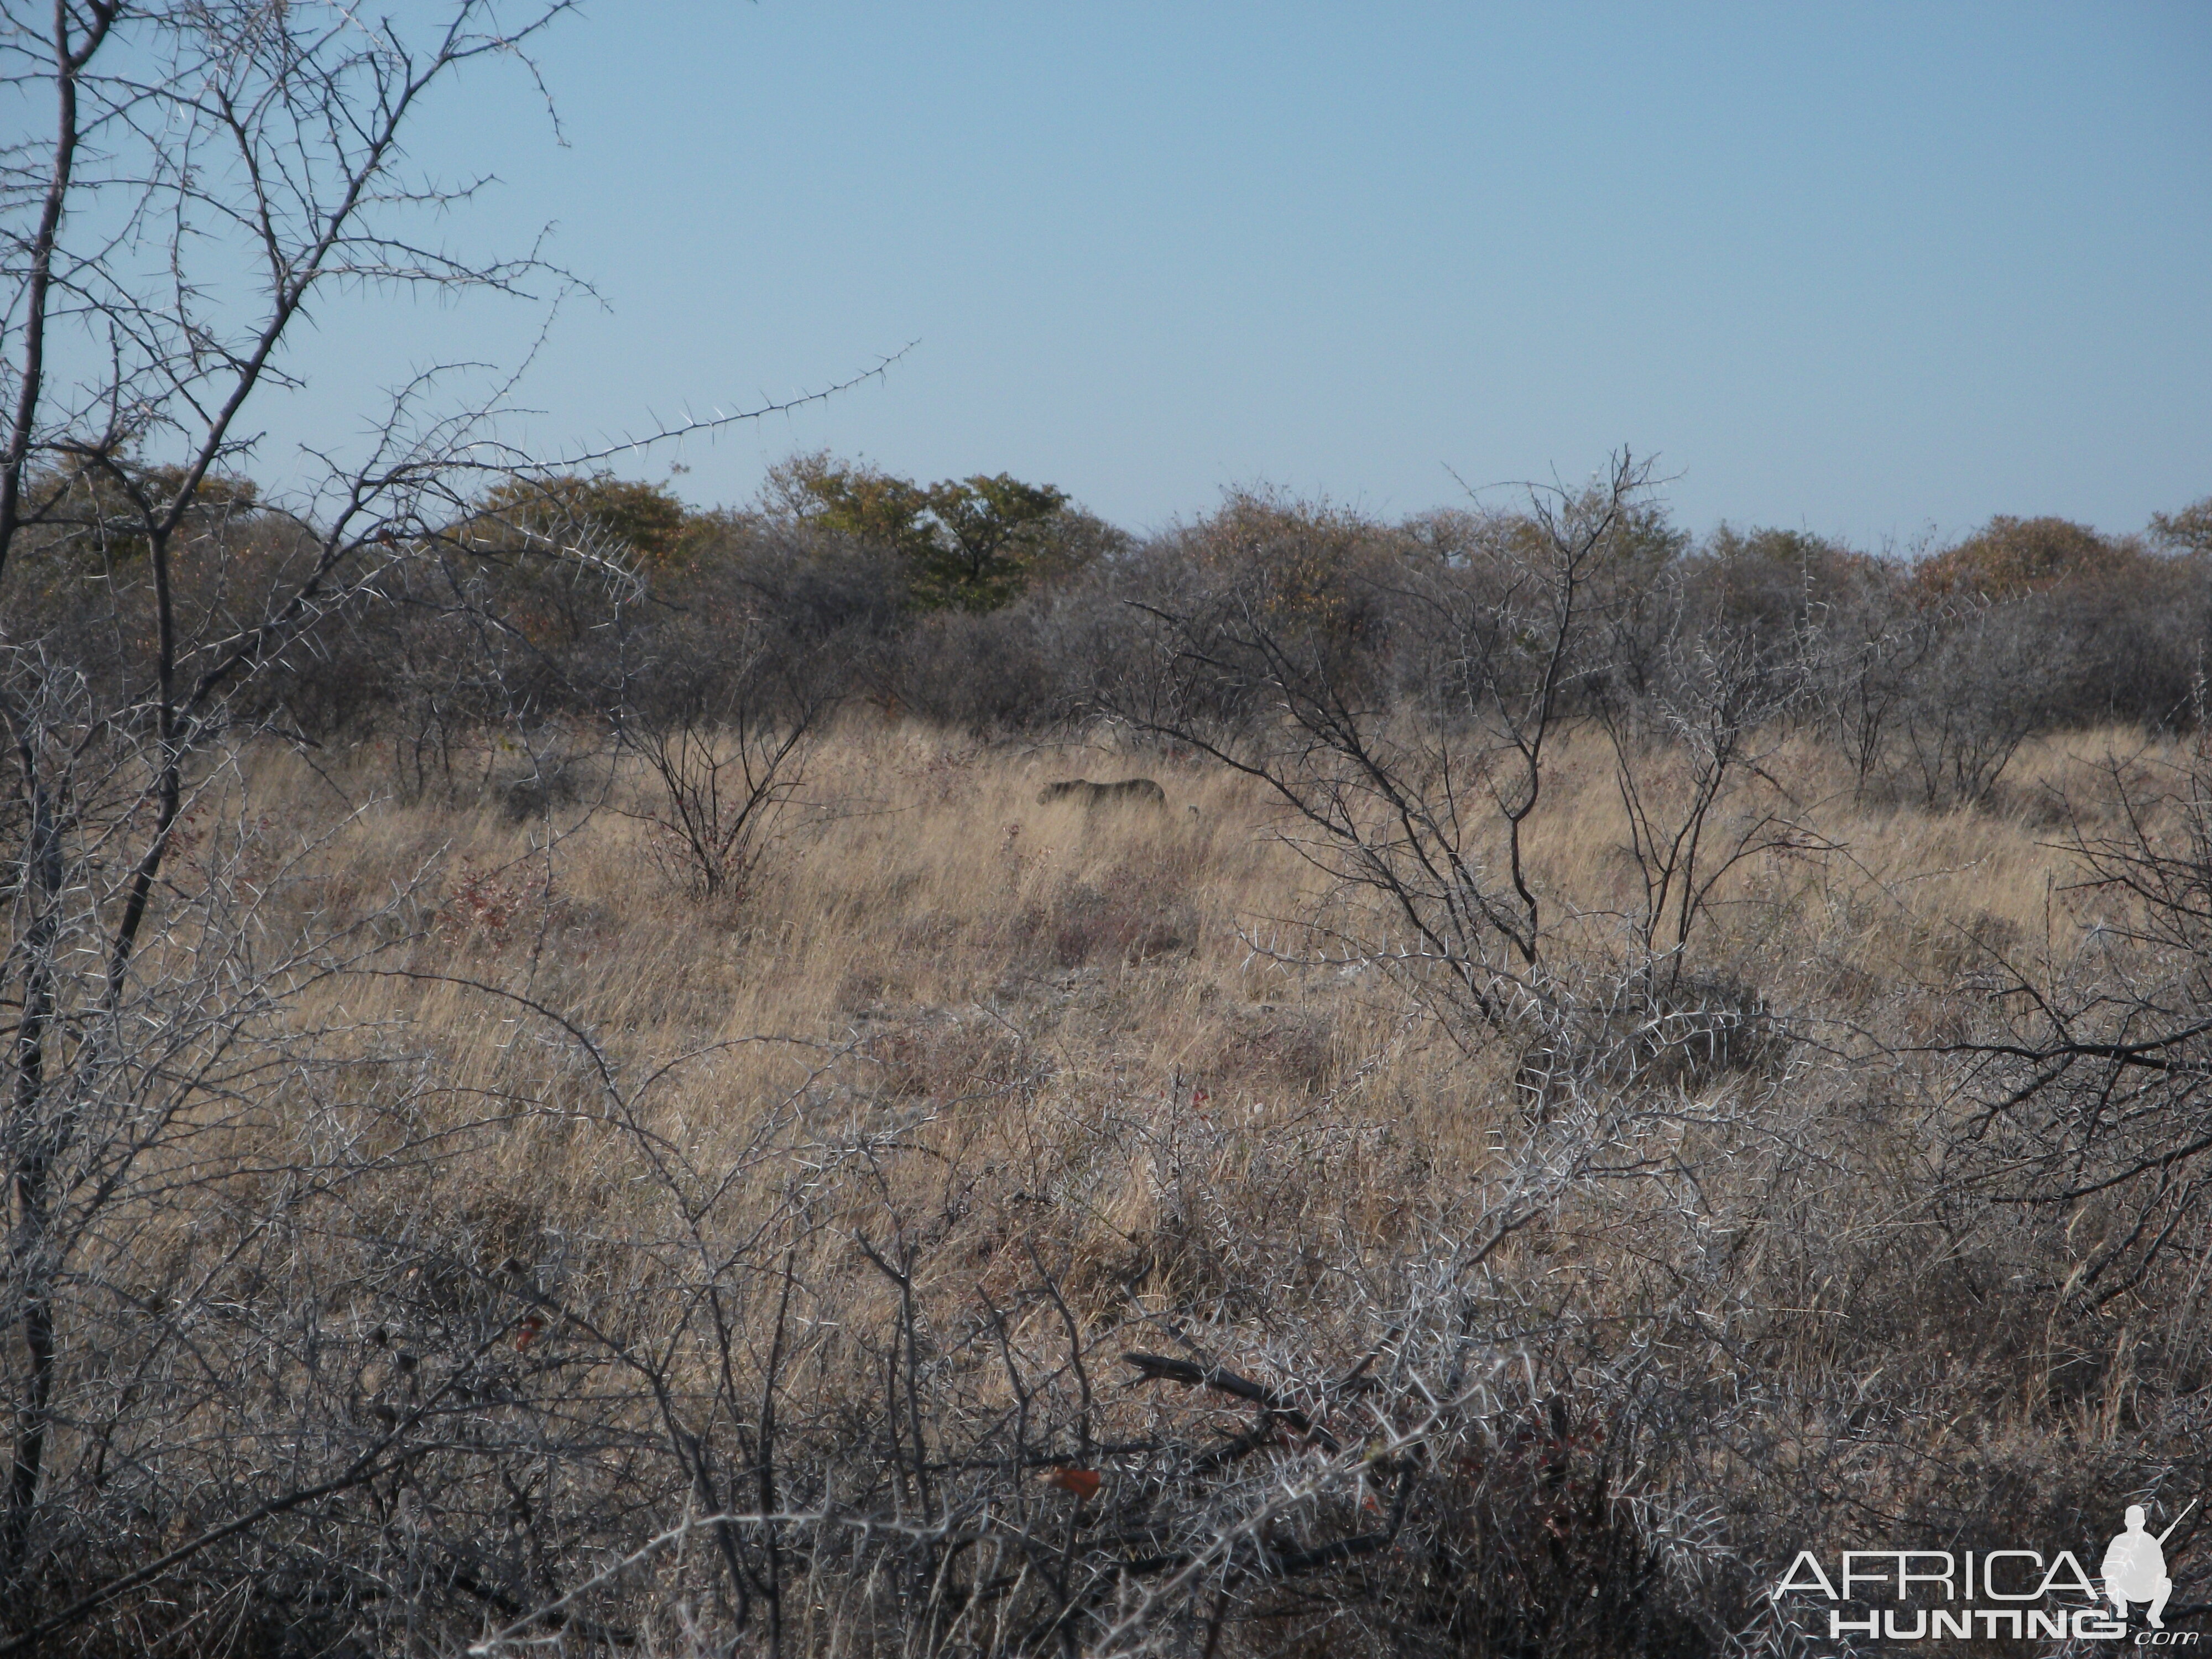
[1083, 1076]
[1057, 990]
[918, 881]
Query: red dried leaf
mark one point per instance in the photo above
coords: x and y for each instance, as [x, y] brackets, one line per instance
[1083, 1483]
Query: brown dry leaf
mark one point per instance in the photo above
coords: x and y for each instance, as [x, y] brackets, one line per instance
[1083, 1483]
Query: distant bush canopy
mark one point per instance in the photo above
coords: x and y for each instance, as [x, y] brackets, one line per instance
[971, 543]
[999, 606]
[2010, 556]
[527, 513]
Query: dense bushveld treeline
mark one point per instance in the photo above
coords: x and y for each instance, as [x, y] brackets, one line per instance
[588, 598]
[626, 1124]
[1929, 671]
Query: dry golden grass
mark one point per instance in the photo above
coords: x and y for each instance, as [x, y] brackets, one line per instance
[1068, 1003]
[1069, 1066]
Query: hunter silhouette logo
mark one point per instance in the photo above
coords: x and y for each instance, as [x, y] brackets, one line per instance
[2016, 1594]
[2135, 1567]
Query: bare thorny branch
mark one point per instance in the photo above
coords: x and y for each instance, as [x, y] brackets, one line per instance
[180, 1044]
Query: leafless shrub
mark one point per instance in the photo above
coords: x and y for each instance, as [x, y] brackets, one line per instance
[2090, 1078]
[724, 749]
[1432, 818]
[264, 1384]
[1424, 810]
[1979, 697]
[1437, 1459]
[1707, 724]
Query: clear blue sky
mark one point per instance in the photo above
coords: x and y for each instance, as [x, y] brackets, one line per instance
[1863, 269]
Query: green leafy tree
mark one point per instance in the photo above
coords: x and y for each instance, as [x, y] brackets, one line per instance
[971, 544]
[555, 514]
